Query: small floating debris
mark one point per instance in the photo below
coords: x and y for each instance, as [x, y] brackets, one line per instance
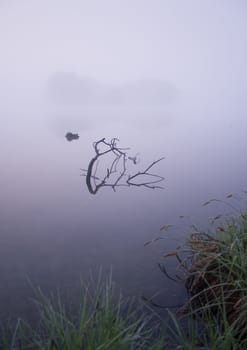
[70, 136]
[135, 159]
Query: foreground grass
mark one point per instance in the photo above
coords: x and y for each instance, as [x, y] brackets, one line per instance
[102, 321]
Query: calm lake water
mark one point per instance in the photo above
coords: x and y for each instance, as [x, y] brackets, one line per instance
[53, 231]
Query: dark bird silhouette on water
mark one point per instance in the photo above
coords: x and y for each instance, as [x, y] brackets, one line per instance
[70, 136]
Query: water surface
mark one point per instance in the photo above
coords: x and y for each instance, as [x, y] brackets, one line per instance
[54, 231]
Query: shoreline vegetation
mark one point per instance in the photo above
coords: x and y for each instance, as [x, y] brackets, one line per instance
[213, 267]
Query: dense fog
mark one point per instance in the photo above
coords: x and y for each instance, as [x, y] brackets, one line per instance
[167, 78]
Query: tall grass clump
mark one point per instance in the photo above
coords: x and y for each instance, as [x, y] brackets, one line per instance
[214, 267]
[103, 320]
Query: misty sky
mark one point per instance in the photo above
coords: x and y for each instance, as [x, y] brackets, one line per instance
[196, 45]
[198, 48]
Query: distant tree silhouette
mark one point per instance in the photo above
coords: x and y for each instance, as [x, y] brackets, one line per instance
[114, 172]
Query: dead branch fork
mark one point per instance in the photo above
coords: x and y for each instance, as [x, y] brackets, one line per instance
[94, 182]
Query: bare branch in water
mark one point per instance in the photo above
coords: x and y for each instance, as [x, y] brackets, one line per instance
[116, 174]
